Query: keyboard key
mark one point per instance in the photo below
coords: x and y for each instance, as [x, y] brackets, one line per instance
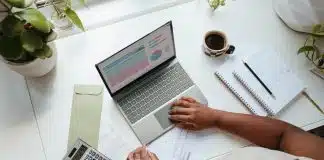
[92, 153]
[155, 92]
[88, 157]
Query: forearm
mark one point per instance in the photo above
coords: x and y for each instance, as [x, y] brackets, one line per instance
[262, 131]
[271, 133]
[266, 132]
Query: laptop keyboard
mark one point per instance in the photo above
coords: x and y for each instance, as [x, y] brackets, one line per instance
[155, 92]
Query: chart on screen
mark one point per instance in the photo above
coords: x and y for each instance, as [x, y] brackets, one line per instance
[128, 65]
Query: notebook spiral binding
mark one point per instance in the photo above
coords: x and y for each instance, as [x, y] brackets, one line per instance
[237, 95]
[254, 94]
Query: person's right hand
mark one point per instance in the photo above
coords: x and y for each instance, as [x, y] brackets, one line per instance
[189, 114]
[141, 153]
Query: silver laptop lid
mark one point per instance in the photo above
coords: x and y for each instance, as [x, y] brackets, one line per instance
[137, 59]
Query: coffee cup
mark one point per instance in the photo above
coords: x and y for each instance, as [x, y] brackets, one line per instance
[216, 44]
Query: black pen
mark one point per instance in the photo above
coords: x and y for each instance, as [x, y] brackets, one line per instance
[256, 76]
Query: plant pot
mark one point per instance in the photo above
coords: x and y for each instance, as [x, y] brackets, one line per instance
[318, 9]
[36, 68]
[300, 15]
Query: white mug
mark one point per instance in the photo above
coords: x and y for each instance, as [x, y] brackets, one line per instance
[216, 38]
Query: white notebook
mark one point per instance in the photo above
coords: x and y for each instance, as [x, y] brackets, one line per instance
[276, 75]
[238, 91]
[271, 69]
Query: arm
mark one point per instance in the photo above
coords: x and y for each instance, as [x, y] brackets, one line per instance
[265, 132]
[272, 134]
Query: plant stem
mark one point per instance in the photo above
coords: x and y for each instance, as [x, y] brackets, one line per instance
[57, 9]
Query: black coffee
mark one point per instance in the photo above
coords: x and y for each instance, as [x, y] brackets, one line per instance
[215, 42]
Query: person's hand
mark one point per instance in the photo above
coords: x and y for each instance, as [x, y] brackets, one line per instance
[141, 153]
[187, 113]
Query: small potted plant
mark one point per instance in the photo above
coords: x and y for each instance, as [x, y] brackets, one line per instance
[26, 38]
[312, 49]
[214, 4]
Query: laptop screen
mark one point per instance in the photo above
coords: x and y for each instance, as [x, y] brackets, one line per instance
[138, 58]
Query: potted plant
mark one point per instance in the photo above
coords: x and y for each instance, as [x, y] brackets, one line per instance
[311, 47]
[214, 4]
[26, 38]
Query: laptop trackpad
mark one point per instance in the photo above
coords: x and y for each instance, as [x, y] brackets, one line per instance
[163, 117]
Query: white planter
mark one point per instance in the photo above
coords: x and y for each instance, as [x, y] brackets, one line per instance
[300, 15]
[318, 6]
[36, 68]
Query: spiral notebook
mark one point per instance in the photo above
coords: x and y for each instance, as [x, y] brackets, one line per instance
[226, 77]
[272, 70]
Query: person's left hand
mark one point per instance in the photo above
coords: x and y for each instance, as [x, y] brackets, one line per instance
[141, 153]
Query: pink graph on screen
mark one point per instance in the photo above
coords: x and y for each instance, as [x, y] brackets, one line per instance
[128, 71]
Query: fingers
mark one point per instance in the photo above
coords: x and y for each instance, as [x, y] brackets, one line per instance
[153, 156]
[182, 103]
[137, 156]
[191, 100]
[180, 111]
[180, 118]
[143, 153]
[131, 156]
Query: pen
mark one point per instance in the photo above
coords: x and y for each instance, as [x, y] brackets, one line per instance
[256, 76]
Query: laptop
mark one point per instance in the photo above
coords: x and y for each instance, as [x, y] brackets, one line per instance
[144, 79]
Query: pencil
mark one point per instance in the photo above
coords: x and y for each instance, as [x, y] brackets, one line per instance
[257, 77]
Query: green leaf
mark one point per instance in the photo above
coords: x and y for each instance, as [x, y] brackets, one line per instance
[214, 3]
[222, 2]
[322, 28]
[74, 18]
[36, 19]
[319, 34]
[69, 3]
[52, 26]
[316, 28]
[48, 51]
[12, 26]
[10, 48]
[26, 57]
[45, 52]
[306, 49]
[31, 41]
[317, 52]
[20, 3]
[50, 36]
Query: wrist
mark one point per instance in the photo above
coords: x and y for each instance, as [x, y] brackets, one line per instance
[217, 115]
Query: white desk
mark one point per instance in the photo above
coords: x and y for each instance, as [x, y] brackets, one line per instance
[19, 135]
[251, 25]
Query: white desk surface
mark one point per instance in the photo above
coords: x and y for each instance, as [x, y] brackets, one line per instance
[251, 25]
[19, 133]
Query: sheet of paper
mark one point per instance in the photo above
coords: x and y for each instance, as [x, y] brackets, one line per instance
[178, 143]
[113, 144]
